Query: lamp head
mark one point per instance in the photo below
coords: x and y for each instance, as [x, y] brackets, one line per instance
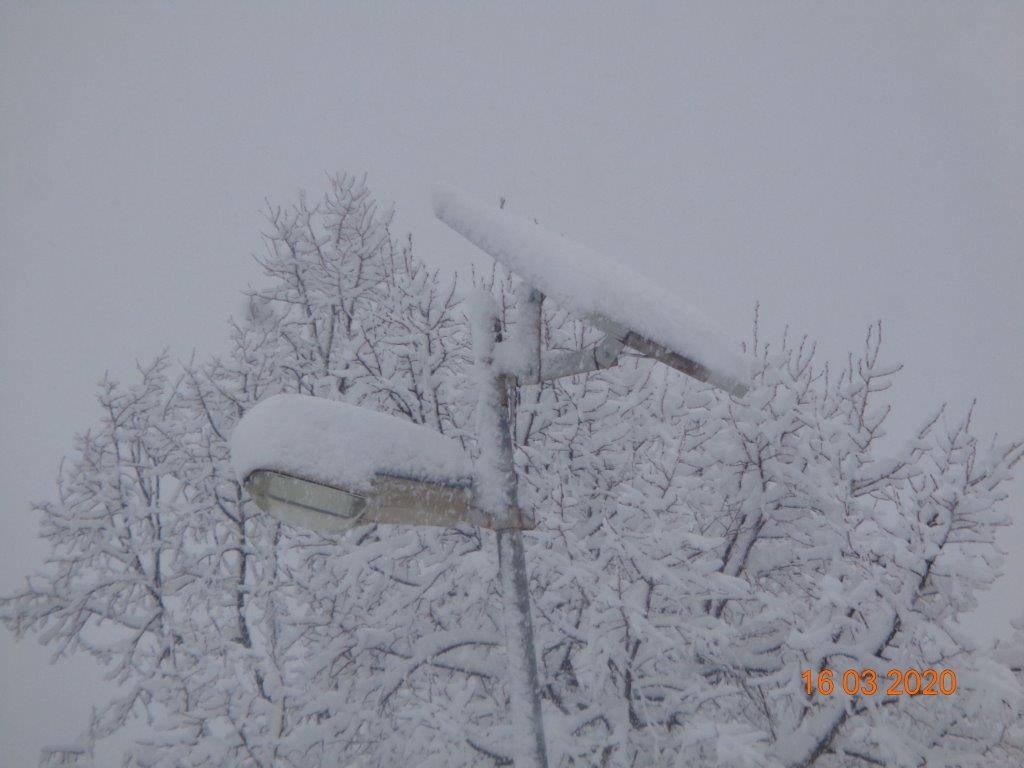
[642, 313]
[328, 466]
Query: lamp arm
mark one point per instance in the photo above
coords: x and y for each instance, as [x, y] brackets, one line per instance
[558, 365]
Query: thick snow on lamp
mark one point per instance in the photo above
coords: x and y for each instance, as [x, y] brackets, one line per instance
[328, 466]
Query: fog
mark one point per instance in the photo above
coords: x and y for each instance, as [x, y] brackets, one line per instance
[837, 164]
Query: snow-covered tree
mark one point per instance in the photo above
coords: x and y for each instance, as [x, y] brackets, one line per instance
[696, 551]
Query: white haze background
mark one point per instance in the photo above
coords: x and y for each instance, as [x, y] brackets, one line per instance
[837, 163]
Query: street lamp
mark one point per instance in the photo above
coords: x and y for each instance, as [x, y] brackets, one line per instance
[627, 306]
[631, 311]
[330, 466]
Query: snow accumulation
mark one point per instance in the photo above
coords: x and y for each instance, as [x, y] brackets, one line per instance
[341, 445]
[590, 284]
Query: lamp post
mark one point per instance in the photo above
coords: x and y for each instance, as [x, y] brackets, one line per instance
[632, 312]
[497, 493]
[330, 466]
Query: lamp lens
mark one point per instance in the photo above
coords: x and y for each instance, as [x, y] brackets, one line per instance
[304, 503]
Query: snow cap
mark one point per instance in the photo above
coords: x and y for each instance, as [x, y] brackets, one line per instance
[593, 286]
[341, 445]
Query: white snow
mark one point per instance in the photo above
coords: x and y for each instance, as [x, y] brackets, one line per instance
[341, 445]
[590, 284]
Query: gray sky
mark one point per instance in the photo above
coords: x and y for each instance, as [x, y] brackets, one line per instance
[839, 163]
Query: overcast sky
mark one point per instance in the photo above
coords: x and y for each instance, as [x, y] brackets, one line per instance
[837, 163]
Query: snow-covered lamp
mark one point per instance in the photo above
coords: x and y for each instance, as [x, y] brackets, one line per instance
[636, 311]
[319, 464]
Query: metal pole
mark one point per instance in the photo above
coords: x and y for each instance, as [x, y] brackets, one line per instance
[529, 747]
[496, 489]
